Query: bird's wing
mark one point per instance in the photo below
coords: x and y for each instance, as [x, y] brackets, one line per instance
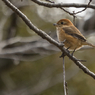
[73, 31]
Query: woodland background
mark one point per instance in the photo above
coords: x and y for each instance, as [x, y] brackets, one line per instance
[29, 65]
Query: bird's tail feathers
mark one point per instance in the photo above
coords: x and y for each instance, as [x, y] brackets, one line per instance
[87, 43]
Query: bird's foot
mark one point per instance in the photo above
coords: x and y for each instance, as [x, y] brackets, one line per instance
[62, 43]
[67, 50]
[62, 55]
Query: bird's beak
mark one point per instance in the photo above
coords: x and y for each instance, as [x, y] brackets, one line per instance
[55, 24]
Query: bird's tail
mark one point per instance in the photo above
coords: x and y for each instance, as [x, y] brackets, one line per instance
[87, 43]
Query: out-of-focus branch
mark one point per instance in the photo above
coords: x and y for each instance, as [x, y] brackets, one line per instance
[47, 37]
[30, 46]
[15, 40]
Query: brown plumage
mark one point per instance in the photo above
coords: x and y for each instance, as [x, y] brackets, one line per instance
[74, 40]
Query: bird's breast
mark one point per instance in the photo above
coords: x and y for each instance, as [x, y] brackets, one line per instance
[60, 35]
[71, 41]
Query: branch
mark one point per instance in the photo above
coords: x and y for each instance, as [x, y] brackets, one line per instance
[84, 8]
[64, 79]
[50, 1]
[58, 5]
[47, 37]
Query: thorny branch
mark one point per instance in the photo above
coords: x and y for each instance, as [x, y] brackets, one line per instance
[47, 37]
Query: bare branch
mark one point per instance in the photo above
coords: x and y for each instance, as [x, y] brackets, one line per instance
[84, 8]
[58, 5]
[50, 1]
[47, 37]
[61, 5]
[64, 79]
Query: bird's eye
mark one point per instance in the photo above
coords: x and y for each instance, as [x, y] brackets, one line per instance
[62, 22]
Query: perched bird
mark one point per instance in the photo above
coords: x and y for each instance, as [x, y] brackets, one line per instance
[70, 35]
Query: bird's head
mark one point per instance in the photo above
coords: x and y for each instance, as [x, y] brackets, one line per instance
[63, 22]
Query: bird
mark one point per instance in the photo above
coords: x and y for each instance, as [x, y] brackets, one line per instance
[68, 34]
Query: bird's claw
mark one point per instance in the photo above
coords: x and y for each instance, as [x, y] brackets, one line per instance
[62, 43]
[62, 55]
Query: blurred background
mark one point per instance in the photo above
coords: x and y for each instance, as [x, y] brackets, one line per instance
[29, 65]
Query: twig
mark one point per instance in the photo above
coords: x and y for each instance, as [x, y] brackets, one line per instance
[47, 37]
[50, 1]
[66, 88]
[58, 5]
[84, 8]
[66, 11]
[61, 5]
[64, 80]
[74, 17]
[70, 13]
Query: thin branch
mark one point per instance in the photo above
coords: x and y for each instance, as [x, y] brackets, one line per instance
[66, 88]
[50, 1]
[84, 8]
[62, 8]
[64, 80]
[47, 37]
[74, 17]
[61, 5]
[58, 5]
[74, 13]
[66, 11]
